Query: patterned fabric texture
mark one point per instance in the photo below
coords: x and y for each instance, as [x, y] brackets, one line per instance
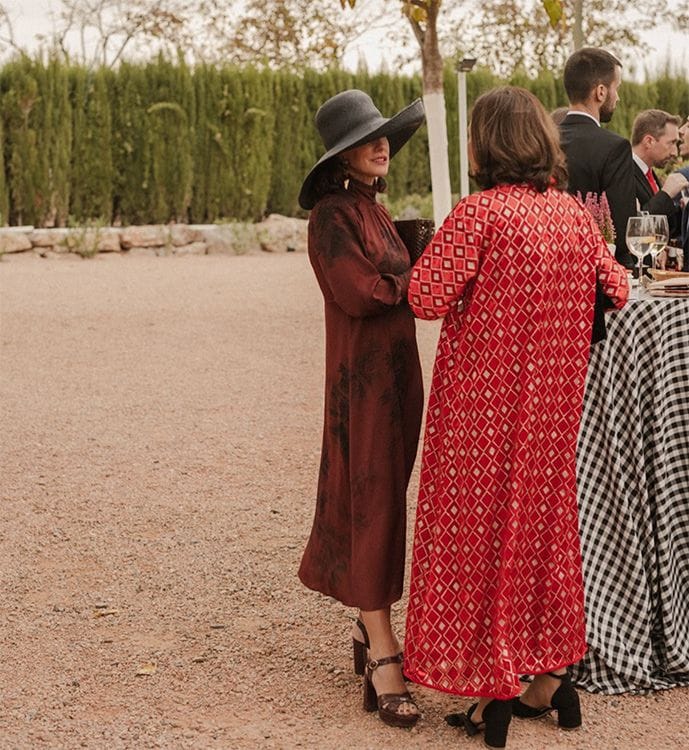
[633, 487]
[496, 587]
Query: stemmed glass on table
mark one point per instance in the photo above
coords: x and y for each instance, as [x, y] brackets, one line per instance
[646, 235]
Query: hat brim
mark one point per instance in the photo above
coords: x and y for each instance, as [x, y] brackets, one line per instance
[397, 129]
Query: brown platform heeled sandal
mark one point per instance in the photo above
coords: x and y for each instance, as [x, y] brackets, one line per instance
[388, 704]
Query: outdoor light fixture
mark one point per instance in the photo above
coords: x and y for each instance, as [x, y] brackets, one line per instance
[463, 67]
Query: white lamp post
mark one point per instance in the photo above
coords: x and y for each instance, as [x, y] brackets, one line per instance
[463, 67]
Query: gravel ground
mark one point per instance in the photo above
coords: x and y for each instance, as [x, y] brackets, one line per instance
[160, 439]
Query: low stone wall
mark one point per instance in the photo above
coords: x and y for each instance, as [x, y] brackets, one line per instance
[275, 234]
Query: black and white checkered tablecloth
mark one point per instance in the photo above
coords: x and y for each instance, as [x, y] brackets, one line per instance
[633, 488]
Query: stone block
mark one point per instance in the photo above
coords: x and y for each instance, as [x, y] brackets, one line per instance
[183, 234]
[152, 235]
[14, 242]
[279, 234]
[109, 241]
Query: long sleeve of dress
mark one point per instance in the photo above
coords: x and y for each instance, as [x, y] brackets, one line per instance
[612, 276]
[451, 260]
[356, 284]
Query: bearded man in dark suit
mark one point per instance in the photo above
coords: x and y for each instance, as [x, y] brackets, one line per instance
[598, 160]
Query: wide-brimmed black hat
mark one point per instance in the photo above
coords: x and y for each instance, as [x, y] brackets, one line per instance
[350, 119]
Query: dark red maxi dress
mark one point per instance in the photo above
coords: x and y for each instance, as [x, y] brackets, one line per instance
[373, 402]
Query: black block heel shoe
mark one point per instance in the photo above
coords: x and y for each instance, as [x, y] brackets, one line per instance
[494, 724]
[565, 701]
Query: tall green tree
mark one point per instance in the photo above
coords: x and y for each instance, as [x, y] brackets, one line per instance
[234, 143]
[19, 99]
[54, 127]
[247, 117]
[4, 193]
[211, 155]
[292, 157]
[92, 171]
[130, 101]
[168, 156]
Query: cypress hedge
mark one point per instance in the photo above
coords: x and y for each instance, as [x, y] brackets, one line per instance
[91, 179]
[4, 193]
[168, 144]
[20, 94]
[159, 142]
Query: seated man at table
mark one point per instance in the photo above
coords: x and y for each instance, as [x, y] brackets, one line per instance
[655, 137]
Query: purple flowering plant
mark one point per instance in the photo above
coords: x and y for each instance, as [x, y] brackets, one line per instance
[599, 208]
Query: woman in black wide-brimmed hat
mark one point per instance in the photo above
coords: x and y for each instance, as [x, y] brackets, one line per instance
[373, 388]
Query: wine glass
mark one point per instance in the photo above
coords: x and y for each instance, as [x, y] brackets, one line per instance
[661, 234]
[646, 235]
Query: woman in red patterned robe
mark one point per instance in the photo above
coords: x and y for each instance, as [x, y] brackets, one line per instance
[373, 387]
[496, 582]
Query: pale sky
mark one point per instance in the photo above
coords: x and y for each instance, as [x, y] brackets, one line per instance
[31, 17]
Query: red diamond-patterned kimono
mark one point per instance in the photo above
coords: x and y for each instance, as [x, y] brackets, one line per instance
[496, 585]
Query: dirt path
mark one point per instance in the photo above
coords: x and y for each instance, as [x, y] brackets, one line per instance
[160, 433]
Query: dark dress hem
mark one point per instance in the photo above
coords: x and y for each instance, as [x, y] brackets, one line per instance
[366, 607]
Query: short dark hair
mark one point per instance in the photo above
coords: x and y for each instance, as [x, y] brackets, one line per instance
[513, 140]
[652, 122]
[586, 69]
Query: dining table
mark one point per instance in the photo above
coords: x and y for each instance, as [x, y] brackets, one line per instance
[633, 494]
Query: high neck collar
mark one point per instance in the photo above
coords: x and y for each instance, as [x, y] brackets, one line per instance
[362, 189]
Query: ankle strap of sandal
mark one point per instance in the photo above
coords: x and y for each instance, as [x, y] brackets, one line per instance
[373, 664]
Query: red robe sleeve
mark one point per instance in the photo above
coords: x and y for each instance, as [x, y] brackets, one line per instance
[611, 274]
[451, 260]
